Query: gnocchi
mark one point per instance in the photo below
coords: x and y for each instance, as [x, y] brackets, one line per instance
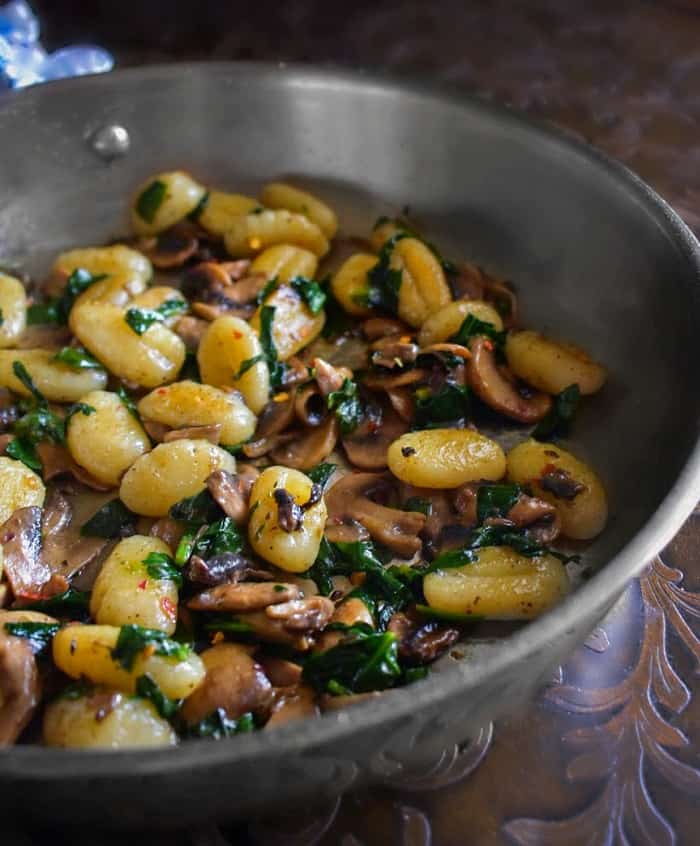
[285, 262]
[279, 195]
[350, 285]
[447, 321]
[424, 289]
[293, 325]
[57, 381]
[127, 272]
[250, 233]
[13, 310]
[221, 209]
[21, 488]
[164, 200]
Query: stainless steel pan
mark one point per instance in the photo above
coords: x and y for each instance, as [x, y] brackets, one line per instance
[597, 256]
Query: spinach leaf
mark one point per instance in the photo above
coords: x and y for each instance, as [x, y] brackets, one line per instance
[22, 375]
[267, 289]
[560, 416]
[449, 405]
[218, 726]
[200, 508]
[2, 317]
[39, 635]
[57, 310]
[78, 408]
[148, 689]
[228, 625]
[141, 319]
[321, 473]
[277, 368]
[196, 212]
[161, 566]
[112, 520]
[495, 500]
[150, 200]
[347, 406]
[323, 568]
[384, 280]
[409, 232]
[77, 358]
[472, 326]
[248, 363]
[67, 602]
[311, 292]
[337, 319]
[24, 452]
[361, 556]
[133, 640]
[220, 536]
[39, 313]
[128, 402]
[364, 660]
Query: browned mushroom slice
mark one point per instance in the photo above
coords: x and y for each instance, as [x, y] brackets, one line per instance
[10, 411]
[328, 377]
[452, 349]
[226, 567]
[276, 416]
[310, 406]
[231, 492]
[233, 681]
[353, 610]
[394, 352]
[56, 461]
[367, 445]
[311, 448]
[282, 673]
[540, 519]
[218, 306]
[244, 596]
[296, 703]
[464, 500]
[503, 297]
[349, 532]
[383, 327]
[561, 484]
[440, 512]
[421, 642]
[468, 283]
[64, 551]
[403, 403]
[236, 269]
[302, 615]
[210, 432]
[5, 441]
[274, 631]
[202, 279]
[295, 372]
[168, 530]
[246, 289]
[20, 688]
[20, 537]
[488, 381]
[350, 500]
[171, 248]
[155, 431]
[382, 382]
[191, 329]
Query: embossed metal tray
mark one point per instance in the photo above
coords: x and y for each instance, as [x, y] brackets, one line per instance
[600, 257]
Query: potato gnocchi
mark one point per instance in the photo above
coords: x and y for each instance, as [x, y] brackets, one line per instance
[285, 485]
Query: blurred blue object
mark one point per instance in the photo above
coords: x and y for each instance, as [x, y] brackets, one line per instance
[23, 61]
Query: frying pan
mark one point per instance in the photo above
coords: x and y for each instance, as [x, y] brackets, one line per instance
[596, 256]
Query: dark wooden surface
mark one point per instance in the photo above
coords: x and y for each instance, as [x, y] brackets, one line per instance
[609, 753]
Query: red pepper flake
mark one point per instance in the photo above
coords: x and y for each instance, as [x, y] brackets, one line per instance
[168, 607]
[142, 585]
[374, 425]
[489, 345]
[149, 650]
[162, 391]
[237, 335]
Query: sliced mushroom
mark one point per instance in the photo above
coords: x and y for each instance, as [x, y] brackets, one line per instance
[282, 673]
[57, 515]
[20, 688]
[295, 373]
[210, 432]
[488, 381]
[383, 327]
[350, 500]
[256, 449]
[394, 352]
[302, 615]
[191, 329]
[246, 289]
[561, 484]
[20, 537]
[402, 402]
[468, 283]
[202, 279]
[367, 445]
[57, 461]
[227, 567]
[231, 491]
[236, 269]
[310, 406]
[5, 441]
[64, 551]
[421, 642]
[540, 518]
[277, 415]
[328, 377]
[274, 631]
[171, 248]
[244, 596]
[155, 431]
[451, 349]
[311, 448]
[168, 530]
[353, 610]
[296, 703]
[233, 682]
[349, 532]
[218, 305]
[503, 297]
[381, 382]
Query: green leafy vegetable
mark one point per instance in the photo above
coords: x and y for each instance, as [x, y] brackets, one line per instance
[321, 473]
[63, 603]
[112, 520]
[128, 402]
[200, 508]
[25, 453]
[190, 369]
[558, 419]
[472, 326]
[385, 280]
[38, 424]
[159, 565]
[409, 232]
[141, 319]
[247, 363]
[266, 290]
[150, 200]
[184, 548]
[148, 689]
[57, 310]
[77, 358]
[22, 374]
[78, 408]
[417, 503]
[311, 292]
[133, 640]
[228, 625]
[221, 536]
[2, 317]
[196, 212]
[364, 660]
[39, 635]
[347, 406]
[337, 319]
[218, 726]
[274, 365]
[449, 405]
[495, 500]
